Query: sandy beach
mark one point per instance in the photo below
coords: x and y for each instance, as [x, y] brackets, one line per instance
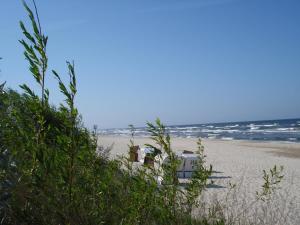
[240, 163]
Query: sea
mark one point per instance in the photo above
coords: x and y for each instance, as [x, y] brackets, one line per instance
[267, 130]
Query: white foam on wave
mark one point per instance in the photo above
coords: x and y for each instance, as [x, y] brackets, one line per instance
[233, 131]
[187, 131]
[184, 128]
[282, 131]
[269, 125]
[140, 132]
[258, 126]
[181, 128]
[253, 126]
[293, 139]
[212, 137]
[218, 131]
[206, 130]
[232, 126]
[227, 138]
[173, 131]
[121, 131]
[285, 129]
[213, 131]
[193, 128]
[256, 131]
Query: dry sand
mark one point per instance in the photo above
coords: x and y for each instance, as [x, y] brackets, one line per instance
[240, 163]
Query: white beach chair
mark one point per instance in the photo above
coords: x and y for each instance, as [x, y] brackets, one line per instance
[188, 164]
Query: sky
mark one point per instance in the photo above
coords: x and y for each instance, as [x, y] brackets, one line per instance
[184, 61]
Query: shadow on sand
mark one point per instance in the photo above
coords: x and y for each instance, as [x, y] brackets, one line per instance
[184, 182]
[215, 176]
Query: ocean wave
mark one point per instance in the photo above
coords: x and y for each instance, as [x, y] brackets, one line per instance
[183, 128]
[173, 131]
[293, 139]
[233, 131]
[193, 128]
[180, 128]
[285, 129]
[256, 131]
[232, 126]
[282, 131]
[227, 138]
[121, 131]
[188, 131]
[269, 125]
[253, 126]
[212, 137]
[212, 131]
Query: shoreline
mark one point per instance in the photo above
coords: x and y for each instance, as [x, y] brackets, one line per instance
[202, 138]
[278, 148]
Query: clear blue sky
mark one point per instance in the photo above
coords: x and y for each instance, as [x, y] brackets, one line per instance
[185, 61]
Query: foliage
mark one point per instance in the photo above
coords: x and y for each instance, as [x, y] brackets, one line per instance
[272, 180]
[199, 178]
[35, 51]
[179, 199]
[101, 151]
